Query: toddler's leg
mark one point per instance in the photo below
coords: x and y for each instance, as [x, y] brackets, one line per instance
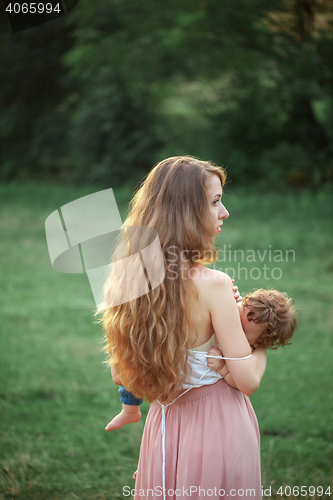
[130, 412]
[128, 415]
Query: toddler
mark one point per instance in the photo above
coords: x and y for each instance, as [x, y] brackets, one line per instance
[268, 320]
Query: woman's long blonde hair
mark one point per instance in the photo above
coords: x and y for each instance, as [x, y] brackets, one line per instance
[147, 338]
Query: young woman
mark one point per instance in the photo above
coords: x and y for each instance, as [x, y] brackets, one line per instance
[204, 442]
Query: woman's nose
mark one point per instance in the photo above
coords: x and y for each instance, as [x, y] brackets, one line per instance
[224, 214]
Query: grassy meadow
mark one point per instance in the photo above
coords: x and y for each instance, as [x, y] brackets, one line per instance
[57, 395]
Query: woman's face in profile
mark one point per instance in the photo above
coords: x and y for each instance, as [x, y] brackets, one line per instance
[217, 210]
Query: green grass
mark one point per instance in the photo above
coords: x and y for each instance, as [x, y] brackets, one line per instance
[56, 395]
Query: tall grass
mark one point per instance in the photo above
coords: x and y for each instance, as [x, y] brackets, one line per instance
[56, 395]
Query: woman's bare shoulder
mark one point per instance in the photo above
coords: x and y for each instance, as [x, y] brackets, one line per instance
[209, 279]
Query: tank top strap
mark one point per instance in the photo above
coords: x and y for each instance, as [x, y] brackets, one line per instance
[204, 354]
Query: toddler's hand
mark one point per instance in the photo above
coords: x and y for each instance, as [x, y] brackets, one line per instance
[216, 364]
[237, 296]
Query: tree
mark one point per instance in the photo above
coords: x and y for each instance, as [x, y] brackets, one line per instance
[32, 122]
[275, 118]
[96, 110]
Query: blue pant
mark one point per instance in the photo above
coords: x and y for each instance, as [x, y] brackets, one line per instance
[127, 398]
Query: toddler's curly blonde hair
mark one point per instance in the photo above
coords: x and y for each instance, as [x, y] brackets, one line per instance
[275, 309]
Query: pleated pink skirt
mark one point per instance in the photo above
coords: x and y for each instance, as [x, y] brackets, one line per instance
[212, 447]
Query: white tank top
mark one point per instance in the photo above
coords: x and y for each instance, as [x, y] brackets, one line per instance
[197, 359]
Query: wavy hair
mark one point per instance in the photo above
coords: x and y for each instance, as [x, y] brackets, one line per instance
[148, 337]
[275, 309]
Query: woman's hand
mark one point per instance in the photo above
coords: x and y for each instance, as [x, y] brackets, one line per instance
[214, 363]
[237, 295]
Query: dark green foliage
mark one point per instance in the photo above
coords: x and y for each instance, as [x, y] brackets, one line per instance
[102, 93]
[32, 121]
[114, 116]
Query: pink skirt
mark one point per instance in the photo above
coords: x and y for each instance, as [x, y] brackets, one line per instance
[212, 447]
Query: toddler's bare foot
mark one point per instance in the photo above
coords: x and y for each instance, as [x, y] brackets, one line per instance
[135, 474]
[129, 415]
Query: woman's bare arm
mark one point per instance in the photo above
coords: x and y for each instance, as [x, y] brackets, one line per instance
[261, 354]
[246, 373]
[222, 367]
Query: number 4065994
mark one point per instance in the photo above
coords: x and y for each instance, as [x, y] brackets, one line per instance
[33, 8]
[303, 491]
